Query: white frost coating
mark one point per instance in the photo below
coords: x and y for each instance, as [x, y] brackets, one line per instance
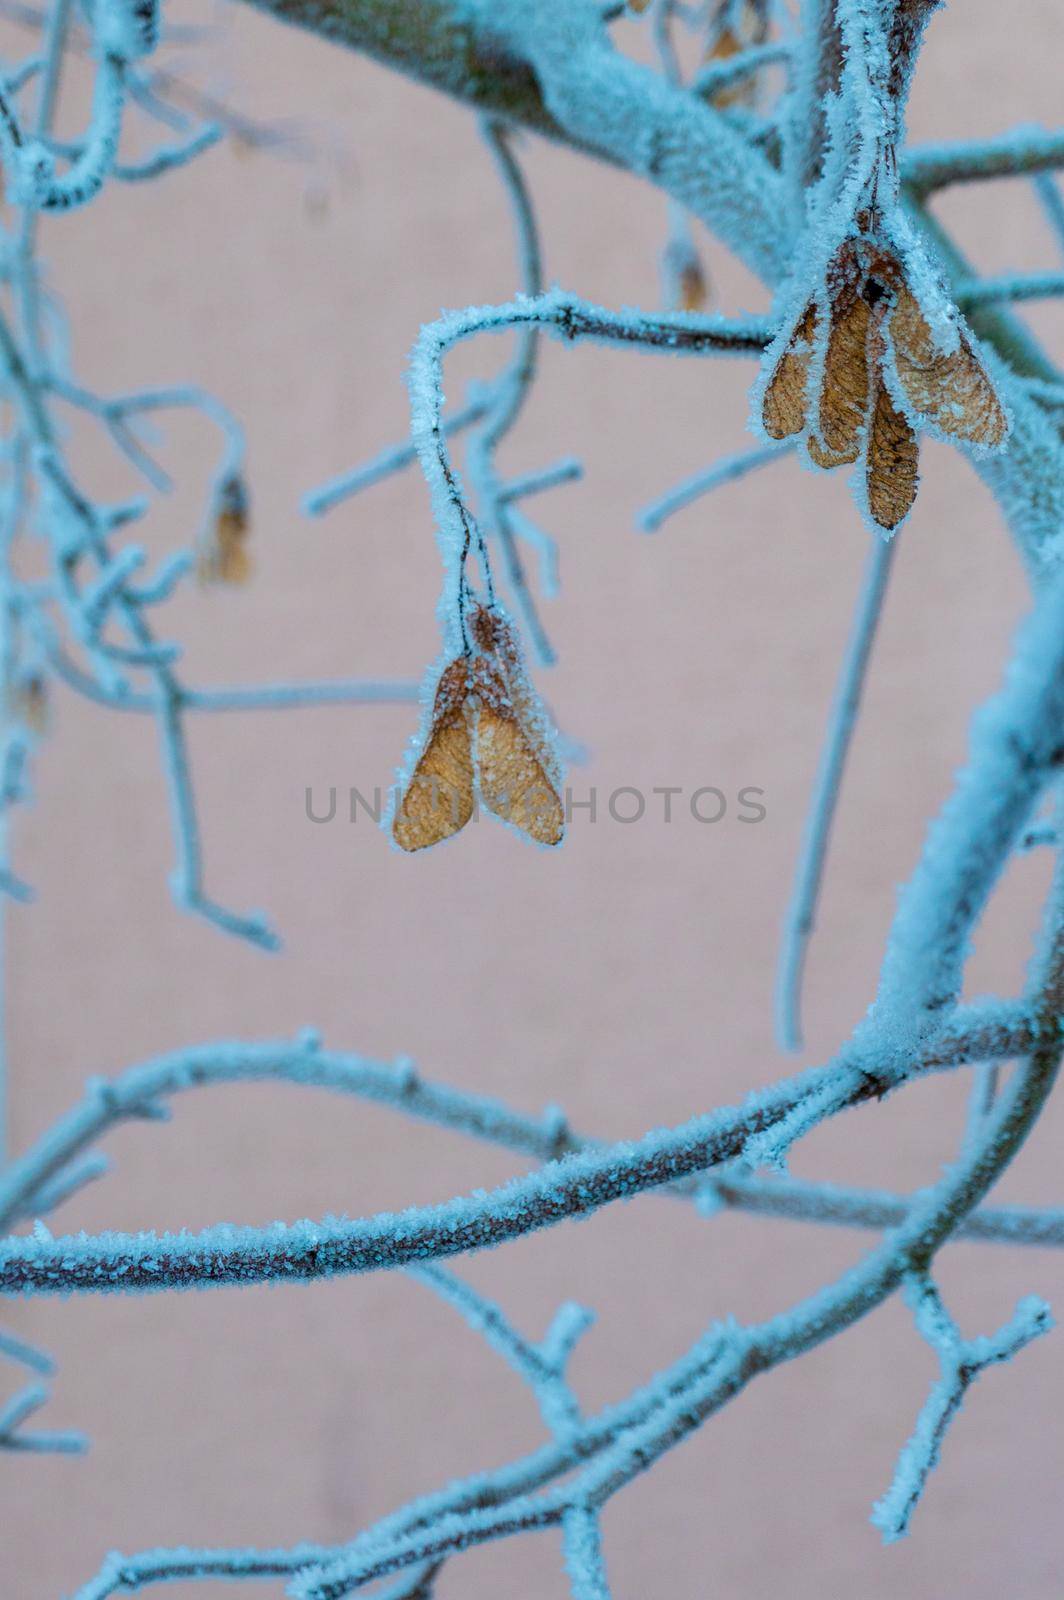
[1027, 477]
[567, 317]
[927, 282]
[858, 199]
[961, 1361]
[919, 420]
[1017, 746]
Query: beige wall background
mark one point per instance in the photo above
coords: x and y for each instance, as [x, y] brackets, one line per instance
[628, 977]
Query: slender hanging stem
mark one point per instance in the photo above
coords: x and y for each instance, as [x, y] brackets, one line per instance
[801, 912]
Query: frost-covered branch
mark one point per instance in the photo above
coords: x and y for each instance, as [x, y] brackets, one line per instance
[727, 470]
[14, 1437]
[801, 912]
[541, 1365]
[614, 1446]
[962, 1361]
[1047, 188]
[34, 1184]
[91, 623]
[1017, 286]
[570, 319]
[552, 67]
[935, 166]
[590, 1179]
[865, 351]
[122, 1574]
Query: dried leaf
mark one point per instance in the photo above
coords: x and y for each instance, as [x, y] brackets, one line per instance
[892, 465]
[439, 797]
[954, 392]
[783, 409]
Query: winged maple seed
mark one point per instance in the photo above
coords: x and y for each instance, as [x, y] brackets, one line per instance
[28, 701]
[735, 28]
[694, 290]
[439, 797]
[223, 556]
[877, 337]
[487, 737]
[684, 268]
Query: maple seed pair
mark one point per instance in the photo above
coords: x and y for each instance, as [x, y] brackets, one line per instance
[872, 315]
[487, 737]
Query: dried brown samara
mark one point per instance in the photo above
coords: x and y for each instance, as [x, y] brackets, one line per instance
[877, 340]
[27, 700]
[439, 797]
[487, 737]
[223, 554]
[693, 289]
[737, 25]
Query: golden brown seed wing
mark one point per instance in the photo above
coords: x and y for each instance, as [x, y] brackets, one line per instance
[893, 459]
[844, 390]
[439, 797]
[752, 30]
[28, 698]
[694, 291]
[233, 561]
[513, 782]
[822, 457]
[503, 683]
[954, 392]
[743, 93]
[232, 566]
[224, 557]
[783, 408]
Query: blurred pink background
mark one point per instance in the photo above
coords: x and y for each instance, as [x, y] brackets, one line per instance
[628, 976]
